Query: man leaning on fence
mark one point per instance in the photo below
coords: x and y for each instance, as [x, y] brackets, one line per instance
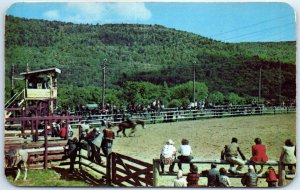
[71, 151]
[107, 142]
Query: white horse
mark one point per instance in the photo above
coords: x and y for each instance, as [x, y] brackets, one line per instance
[17, 158]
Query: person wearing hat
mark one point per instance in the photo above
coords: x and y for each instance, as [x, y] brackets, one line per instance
[193, 176]
[180, 181]
[107, 141]
[250, 178]
[213, 176]
[230, 153]
[167, 156]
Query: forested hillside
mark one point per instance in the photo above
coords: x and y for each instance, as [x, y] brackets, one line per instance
[154, 54]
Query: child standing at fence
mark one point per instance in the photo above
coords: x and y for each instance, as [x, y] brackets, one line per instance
[180, 181]
[224, 180]
[271, 177]
[193, 176]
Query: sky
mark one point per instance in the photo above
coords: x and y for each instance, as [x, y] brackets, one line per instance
[227, 22]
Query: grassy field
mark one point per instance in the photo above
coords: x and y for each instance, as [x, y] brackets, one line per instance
[207, 138]
[48, 178]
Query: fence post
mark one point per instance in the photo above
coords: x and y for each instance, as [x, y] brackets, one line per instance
[46, 148]
[281, 174]
[155, 172]
[108, 169]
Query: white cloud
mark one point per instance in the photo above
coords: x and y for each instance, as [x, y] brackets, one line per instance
[52, 15]
[101, 13]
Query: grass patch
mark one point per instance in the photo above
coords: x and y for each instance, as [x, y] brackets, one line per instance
[46, 178]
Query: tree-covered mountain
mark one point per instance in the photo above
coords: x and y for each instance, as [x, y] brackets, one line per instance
[147, 53]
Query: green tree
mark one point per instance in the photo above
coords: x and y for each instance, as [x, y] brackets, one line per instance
[216, 98]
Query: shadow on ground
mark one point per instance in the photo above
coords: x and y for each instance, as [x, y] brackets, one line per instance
[79, 175]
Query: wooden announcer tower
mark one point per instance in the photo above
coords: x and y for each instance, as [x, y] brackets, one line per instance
[41, 86]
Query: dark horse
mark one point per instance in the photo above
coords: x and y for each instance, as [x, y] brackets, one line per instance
[128, 125]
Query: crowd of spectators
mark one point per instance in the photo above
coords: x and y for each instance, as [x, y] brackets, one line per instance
[233, 155]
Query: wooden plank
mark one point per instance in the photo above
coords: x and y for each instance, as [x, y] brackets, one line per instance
[92, 168]
[129, 173]
[133, 160]
[50, 157]
[146, 180]
[198, 161]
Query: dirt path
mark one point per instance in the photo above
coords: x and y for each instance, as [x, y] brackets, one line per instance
[208, 136]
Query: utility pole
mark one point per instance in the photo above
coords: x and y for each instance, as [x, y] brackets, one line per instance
[259, 85]
[194, 80]
[103, 82]
[12, 84]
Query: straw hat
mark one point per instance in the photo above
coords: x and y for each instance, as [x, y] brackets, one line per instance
[170, 141]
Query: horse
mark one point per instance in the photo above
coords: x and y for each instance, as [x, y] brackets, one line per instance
[128, 125]
[16, 158]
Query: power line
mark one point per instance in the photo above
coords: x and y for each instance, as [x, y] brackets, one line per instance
[257, 31]
[268, 37]
[248, 26]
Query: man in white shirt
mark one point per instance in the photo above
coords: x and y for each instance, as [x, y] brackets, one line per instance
[186, 153]
[167, 156]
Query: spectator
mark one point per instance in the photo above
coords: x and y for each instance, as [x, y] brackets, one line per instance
[63, 132]
[186, 153]
[108, 136]
[213, 176]
[230, 153]
[180, 181]
[271, 177]
[193, 176]
[288, 155]
[259, 154]
[167, 156]
[224, 179]
[250, 178]
[72, 147]
[91, 136]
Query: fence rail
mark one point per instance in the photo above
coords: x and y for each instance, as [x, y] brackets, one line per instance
[171, 115]
[281, 169]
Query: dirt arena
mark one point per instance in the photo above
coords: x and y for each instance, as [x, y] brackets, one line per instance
[208, 137]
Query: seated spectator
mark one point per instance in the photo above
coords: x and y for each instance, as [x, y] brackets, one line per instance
[224, 179]
[250, 178]
[186, 153]
[271, 177]
[230, 153]
[288, 155]
[167, 156]
[213, 176]
[259, 154]
[180, 181]
[193, 176]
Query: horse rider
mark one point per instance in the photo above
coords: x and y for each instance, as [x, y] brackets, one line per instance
[107, 141]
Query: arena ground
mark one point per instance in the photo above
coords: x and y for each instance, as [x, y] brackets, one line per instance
[208, 137]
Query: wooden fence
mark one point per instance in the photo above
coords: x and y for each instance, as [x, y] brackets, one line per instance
[171, 115]
[281, 169]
